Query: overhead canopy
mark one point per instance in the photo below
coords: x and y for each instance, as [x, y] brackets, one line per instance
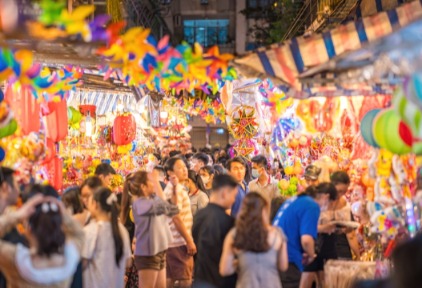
[288, 61]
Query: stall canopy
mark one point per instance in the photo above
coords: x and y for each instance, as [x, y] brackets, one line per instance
[288, 63]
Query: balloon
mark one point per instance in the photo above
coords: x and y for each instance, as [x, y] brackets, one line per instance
[1, 95]
[386, 132]
[366, 127]
[2, 154]
[408, 112]
[417, 148]
[9, 129]
[405, 133]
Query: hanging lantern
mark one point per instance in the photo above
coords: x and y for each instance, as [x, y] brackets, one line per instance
[55, 172]
[56, 121]
[124, 129]
[89, 123]
[25, 108]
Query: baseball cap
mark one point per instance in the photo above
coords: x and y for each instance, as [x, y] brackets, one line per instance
[312, 172]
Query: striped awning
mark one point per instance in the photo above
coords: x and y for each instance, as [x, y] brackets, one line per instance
[105, 101]
[287, 61]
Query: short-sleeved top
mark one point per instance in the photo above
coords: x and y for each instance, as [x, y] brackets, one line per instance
[269, 190]
[99, 250]
[185, 213]
[152, 231]
[241, 193]
[210, 227]
[299, 218]
[198, 201]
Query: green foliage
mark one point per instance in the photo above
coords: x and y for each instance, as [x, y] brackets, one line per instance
[272, 22]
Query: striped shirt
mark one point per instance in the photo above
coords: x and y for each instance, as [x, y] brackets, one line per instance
[183, 203]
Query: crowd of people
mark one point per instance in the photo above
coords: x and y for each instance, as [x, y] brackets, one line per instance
[196, 220]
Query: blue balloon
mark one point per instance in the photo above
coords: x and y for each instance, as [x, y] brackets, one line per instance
[2, 154]
[134, 144]
[366, 127]
[1, 95]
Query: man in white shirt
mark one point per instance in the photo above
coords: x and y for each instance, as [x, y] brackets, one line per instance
[263, 182]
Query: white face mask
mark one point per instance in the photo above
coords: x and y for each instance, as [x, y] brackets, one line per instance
[205, 179]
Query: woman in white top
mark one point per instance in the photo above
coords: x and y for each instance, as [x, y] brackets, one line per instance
[106, 252]
[198, 198]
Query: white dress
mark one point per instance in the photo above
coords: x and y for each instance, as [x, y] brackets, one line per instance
[99, 250]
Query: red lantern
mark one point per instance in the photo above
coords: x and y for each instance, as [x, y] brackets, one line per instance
[25, 108]
[124, 129]
[50, 152]
[56, 121]
[55, 172]
[84, 109]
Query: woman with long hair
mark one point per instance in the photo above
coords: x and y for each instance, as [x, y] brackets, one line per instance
[107, 246]
[55, 242]
[152, 232]
[328, 235]
[198, 198]
[207, 174]
[87, 188]
[259, 247]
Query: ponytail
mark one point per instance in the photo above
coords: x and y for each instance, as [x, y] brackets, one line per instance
[117, 237]
[132, 186]
[108, 203]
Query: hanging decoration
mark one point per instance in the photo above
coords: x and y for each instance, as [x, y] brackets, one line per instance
[136, 56]
[124, 129]
[26, 109]
[211, 110]
[243, 122]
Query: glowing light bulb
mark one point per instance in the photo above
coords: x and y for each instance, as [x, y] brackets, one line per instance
[88, 125]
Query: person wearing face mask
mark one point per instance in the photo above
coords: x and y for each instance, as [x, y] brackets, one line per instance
[198, 161]
[263, 183]
[207, 175]
[328, 235]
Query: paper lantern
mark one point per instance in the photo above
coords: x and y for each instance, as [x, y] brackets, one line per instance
[56, 121]
[26, 109]
[55, 172]
[88, 109]
[386, 132]
[366, 127]
[124, 129]
[50, 150]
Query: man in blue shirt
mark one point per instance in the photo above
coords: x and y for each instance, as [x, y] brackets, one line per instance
[237, 169]
[298, 217]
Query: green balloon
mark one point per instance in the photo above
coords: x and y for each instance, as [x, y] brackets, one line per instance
[417, 148]
[9, 129]
[386, 132]
[74, 116]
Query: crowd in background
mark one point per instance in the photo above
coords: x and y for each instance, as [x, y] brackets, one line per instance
[197, 220]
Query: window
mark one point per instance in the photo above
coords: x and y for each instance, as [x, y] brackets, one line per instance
[259, 3]
[206, 32]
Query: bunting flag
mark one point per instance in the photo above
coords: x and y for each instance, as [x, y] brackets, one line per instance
[286, 61]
